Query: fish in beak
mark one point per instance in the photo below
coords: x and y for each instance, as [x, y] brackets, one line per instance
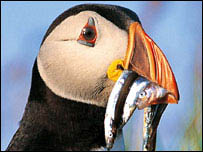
[144, 59]
[122, 104]
[114, 109]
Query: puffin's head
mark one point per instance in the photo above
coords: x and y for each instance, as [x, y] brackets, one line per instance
[84, 41]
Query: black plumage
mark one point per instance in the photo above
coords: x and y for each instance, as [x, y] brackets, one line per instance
[54, 123]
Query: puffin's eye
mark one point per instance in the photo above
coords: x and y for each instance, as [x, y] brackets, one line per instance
[88, 34]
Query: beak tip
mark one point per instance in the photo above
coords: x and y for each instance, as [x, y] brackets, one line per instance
[171, 98]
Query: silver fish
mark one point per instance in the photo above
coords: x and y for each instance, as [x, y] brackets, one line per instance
[142, 93]
[109, 121]
[121, 106]
[152, 116]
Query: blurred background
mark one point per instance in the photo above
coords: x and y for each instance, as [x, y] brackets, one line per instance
[175, 26]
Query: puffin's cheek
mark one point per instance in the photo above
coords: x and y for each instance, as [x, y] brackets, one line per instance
[63, 67]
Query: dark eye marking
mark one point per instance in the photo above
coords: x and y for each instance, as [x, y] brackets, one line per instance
[88, 34]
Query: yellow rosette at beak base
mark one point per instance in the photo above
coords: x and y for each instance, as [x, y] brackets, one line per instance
[115, 69]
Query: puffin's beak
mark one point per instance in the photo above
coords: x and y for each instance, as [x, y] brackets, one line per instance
[145, 58]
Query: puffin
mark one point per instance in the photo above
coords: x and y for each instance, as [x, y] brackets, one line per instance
[71, 82]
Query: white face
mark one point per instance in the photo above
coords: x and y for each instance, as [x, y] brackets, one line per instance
[78, 72]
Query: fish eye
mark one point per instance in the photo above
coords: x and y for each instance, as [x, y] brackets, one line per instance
[142, 94]
[88, 34]
[110, 134]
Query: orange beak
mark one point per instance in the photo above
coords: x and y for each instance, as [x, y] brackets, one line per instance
[145, 58]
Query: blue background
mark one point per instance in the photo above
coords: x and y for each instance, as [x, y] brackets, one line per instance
[175, 26]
